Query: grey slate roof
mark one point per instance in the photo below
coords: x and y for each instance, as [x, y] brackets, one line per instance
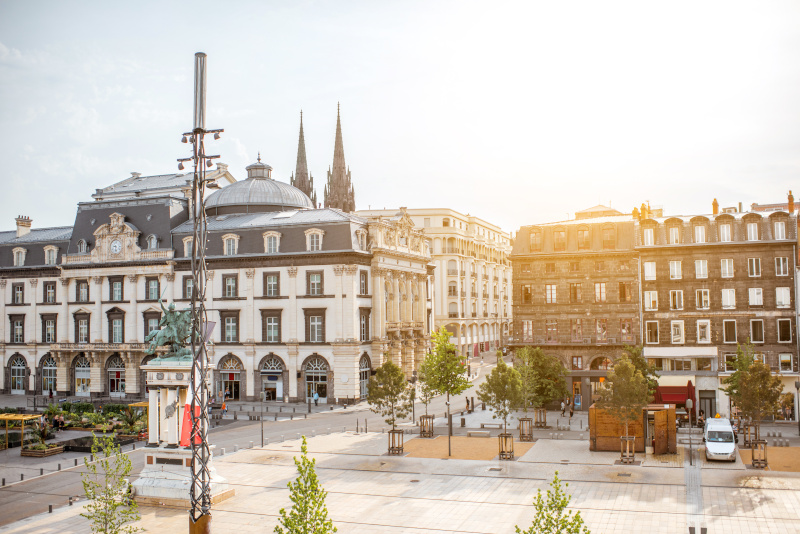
[256, 191]
[272, 219]
[145, 183]
[36, 235]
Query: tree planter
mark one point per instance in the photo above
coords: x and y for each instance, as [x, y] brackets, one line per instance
[758, 450]
[541, 418]
[749, 434]
[35, 453]
[506, 442]
[627, 449]
[426, 426]
[525, 429]
[396, 442]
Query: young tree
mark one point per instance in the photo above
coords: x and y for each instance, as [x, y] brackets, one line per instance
[745, 355]
[550, 517]
[426, 391]
[388, 393]
[308, 515]
[543, 377]
[447, 374]
[109, 507]
[501, 391]
[759, 393]
[639, 362]
[624, 393]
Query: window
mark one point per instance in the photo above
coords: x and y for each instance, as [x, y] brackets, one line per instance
[676, 299]
[651, 332]
[647, 236]
[701, 269]
[753, 267]
[729, 331]
[577, 363]
[549, 268]
[314, 239]
[116, 331]
[599, 266]
[657, 363]
[536, 241]
[649, 270]
[229, 288]
[19, 257]
[576, 326]
[574, 293]
[583, 239]
[780, 230]
[526, 268]
[703, 364]
[49, 374]
[18, 329]
[82, 291]
[315, 326]
[677, 331]
[729, 299]
[574, 266]
[271, 326]
[730, 363]
[272, 285]
[550, 293]
[188, 287]
[152, 242]
[781, 266]
[675, 270]
[49, 292]
[18, 293]
[151, 323]
[786, 363]
[363, 283]
[756, 297]
[784, 330]
[272, 244]
[650, 300]
[527, 296]
[559, 240]
[727, 267]
[752, 231]
[115, 288]
[231, 244]
[625, 292]
[314, 283]
[363, 325]
[702, 299]
[82, 247]
[699, 234]
[187, 246]
[682, 364]
[152, 288]
[725, 232]
[551, 330]
[626, 330]
[50, 254]
[601, 330]
[445, 222]
[674, 235]
[230, 330]
[756, 331]
[609, 238]
[600, 292]
[703, 331]
[783, 297]
[82, 328]
[527, 330]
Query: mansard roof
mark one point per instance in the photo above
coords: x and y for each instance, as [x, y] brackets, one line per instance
[36, 235]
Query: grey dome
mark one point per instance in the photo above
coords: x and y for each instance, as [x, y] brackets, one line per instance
[259, 193]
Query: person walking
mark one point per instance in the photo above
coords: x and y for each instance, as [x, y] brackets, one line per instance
[571, 410]
[51, 394]
[224, 408]
[563, 407]
[316, 399]
[467, 405]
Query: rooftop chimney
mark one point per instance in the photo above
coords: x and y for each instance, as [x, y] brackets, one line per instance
[791, 202]
[23, 225]
[715, 207]
[135, 175]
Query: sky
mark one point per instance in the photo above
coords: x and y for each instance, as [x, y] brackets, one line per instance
[516, 112]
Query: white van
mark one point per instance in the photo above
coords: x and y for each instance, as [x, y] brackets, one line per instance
[718, 437]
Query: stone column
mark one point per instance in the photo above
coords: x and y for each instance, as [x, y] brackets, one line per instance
[97, 316]
[248, 322]
[172, 421]
[152, 419]
[396, 303]
[96, 372]
[162, 415]
[64, 321]
[170, 279]
[134, 327]
[298, 319]
[409, 304]
[378, 329]
[131, 373]
[35, 329]
[62, 371]
[339, 332]
[3, 321]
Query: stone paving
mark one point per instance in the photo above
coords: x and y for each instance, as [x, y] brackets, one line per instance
[369, 492]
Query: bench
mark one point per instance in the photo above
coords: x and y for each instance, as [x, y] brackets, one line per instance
[478, 433]
[491, 425]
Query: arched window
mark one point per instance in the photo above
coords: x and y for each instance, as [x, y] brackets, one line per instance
[116, 375]
[50, 255]
[82, 376]
[272, 364]
[452, 289]
[18, 371]
[82, 248]
[48, 374]
[314, 239]
[19, 257]
[272, 242]
[231, 364]
[452, 309]
[231, 244]
[316, 378]
[152, 242]
[364, 369]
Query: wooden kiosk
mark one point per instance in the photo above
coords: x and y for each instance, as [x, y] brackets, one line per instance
[655, 428]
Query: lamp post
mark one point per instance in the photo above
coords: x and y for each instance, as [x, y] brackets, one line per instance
[797, 400]
[263, 394]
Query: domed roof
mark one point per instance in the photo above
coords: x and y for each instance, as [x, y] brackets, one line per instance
[257, 194]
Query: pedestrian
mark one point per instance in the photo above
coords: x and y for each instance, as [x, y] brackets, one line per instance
[467, 405]
[51, 394]
[563, 407]
[571, 410]
[316, 399]
[227, 394]
[224, 408]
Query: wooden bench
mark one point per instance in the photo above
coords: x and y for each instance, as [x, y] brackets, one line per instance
[478, 433]
[491, 425]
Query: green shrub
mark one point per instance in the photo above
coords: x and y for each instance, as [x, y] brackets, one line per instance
[9, 410]
[114, 408]
[66, 406]
[82, 407]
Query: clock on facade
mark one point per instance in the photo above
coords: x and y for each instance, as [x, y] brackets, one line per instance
[116, 246]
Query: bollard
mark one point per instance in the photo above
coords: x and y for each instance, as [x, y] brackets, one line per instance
[235, 448]
[463, 422]
[76, 462]
[282, 440]
[291, 417]
[294, 409]
[251, 445]
[266, 441]
[49, 508]
[551, 435]
[59, 467]
[21, 477]
[780, 434]
[234, 416]
[4, 482]
[276, 416]
[41, 471]
[70, 501]
[134, 447]
[344, 429]
[313, 433]
[222, 451]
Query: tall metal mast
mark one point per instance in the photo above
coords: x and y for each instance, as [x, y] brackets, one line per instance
[200, 492]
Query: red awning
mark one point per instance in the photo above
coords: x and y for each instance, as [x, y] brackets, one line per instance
[672, 394]
[673, 398]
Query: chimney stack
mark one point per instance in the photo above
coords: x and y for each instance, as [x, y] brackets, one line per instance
[23, 225]
[135, 175]
[791, 202]
[715, 207]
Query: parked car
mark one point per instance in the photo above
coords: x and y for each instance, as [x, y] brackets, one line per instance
[719, 441]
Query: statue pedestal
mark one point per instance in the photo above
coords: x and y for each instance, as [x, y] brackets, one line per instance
[166, 478]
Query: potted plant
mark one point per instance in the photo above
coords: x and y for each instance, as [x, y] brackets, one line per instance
[39, 448]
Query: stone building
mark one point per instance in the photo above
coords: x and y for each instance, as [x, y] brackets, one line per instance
[473, 281]
[576, 294]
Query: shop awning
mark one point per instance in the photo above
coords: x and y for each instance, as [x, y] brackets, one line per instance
[675, 394]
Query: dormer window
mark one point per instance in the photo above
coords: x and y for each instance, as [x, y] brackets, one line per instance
[187, 246]
[780, 230]
[82, 247]
[725, 232]
[19, 256]
[272, 242]
[674, 235]
[752, 231]
[50, 255]
[314, 239]
[231, 244]
[152, 242]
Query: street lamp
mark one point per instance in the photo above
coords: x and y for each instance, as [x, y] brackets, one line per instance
[797, 400]
[263, 394]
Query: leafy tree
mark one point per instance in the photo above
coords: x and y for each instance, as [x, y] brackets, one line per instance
[543, 377]
[745, 355]
[759, 393]
[501, 391]
[624, 393]
[550, 517]
[109, 508]
[388, 393]
[426, 391]
[308, 514]
[639, 362]
[130, 416]
[447, 373]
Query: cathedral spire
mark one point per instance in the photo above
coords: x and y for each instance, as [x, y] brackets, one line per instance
[301, 178]
[339, 191]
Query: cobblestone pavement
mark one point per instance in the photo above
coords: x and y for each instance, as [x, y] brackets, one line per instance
[373, 493]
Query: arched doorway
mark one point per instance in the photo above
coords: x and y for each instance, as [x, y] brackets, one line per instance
[19, 374]
[115, 369]
[230, 372]
[82, 372]
[48, 374]
[272, 377]
[364, 370]
[316, 373]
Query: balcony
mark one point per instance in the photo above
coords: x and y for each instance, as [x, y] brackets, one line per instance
[569, 340]
[474, 314]
[451, 250]
[452, 293]
[452, 272]
[474, 274]
[486, 294]
[463, 293]
[453, 315]
[463, 272]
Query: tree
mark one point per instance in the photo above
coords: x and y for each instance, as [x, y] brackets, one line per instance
[550, 517]
[388, 393]
[308, 514]
[426, 391]
[759, 393]
[447, 373]
[543, 377]
[624, 393]
[745, 355]
[109, 506]
[501, 391]
[639, 362]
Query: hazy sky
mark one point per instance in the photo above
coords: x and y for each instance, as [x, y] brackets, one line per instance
[517, 112]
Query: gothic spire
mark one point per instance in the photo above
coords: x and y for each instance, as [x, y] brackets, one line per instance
[301, 178]
[339, 191]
